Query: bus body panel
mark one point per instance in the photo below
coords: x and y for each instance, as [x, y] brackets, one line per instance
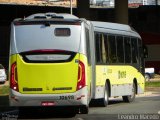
[48, 63]
[121, 79]
[119, 75]
[54, 78]
[48, 77]
[78, 98]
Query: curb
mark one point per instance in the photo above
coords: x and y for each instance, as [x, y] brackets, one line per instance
[148, 94]
[144, 94]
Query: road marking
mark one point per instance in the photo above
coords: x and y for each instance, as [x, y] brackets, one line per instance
[10, 112]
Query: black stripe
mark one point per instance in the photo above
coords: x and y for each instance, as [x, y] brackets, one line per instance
[32, 89]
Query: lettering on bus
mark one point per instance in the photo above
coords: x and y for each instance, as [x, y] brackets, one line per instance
[70, 97]
[121, 74]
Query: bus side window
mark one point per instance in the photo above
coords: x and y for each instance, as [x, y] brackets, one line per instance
[98, 42]
[106, 47]
[112, 49]
[134, 50]
[104, 52]
[127, 49]
[120, 49]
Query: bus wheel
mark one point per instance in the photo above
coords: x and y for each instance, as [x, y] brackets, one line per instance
[130, 98]
[25, 112]
[84, 110]
[104, 100]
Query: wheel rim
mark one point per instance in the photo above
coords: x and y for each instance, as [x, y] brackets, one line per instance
[106, 96]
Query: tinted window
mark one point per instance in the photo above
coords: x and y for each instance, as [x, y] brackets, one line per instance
[127, 50]
[98, 43]
[112, 49]
[120, 49]
[134, 50]
[62, 32]
[106, 47]
[104, 52]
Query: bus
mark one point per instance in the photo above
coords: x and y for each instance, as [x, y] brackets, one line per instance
[50, 61]
[119, 62]
[60, 60]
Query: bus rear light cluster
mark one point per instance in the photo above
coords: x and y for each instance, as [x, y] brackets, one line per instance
[13, 77]
[81, 75]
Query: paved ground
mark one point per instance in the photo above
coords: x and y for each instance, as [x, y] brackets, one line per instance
[141, 109]
[149, 103]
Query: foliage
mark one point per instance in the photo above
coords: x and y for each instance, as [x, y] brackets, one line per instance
[4, 90]
[152, 84]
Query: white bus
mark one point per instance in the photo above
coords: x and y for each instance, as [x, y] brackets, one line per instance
[61, 60]
[50, 61]
[119, 62]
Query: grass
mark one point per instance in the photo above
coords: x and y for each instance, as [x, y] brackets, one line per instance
[4, 90]
[152, 84]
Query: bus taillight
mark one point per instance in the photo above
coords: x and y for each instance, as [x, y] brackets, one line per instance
[14, 78]
[81, 76]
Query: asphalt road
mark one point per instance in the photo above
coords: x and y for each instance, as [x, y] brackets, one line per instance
[144, 107]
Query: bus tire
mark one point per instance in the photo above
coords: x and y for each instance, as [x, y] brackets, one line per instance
[130, 98]
[84, 110]
[24, 112]
[104, 100]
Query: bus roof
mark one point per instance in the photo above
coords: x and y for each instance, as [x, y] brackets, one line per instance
[49, 17]
[52, 15]
[114, 28]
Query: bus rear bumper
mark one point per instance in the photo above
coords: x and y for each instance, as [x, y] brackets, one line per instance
[78, 98]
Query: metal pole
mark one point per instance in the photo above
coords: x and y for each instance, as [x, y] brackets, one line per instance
[71, 7]
[121, 11]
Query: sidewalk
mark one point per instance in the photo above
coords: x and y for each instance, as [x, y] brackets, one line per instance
[150, 91]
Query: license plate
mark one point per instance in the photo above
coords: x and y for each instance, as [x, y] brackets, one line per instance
[48, 103]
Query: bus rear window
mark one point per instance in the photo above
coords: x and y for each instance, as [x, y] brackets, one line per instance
[62, 32]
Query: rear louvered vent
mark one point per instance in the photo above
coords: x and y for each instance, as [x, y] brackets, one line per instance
[32, 89]
[47, 56]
